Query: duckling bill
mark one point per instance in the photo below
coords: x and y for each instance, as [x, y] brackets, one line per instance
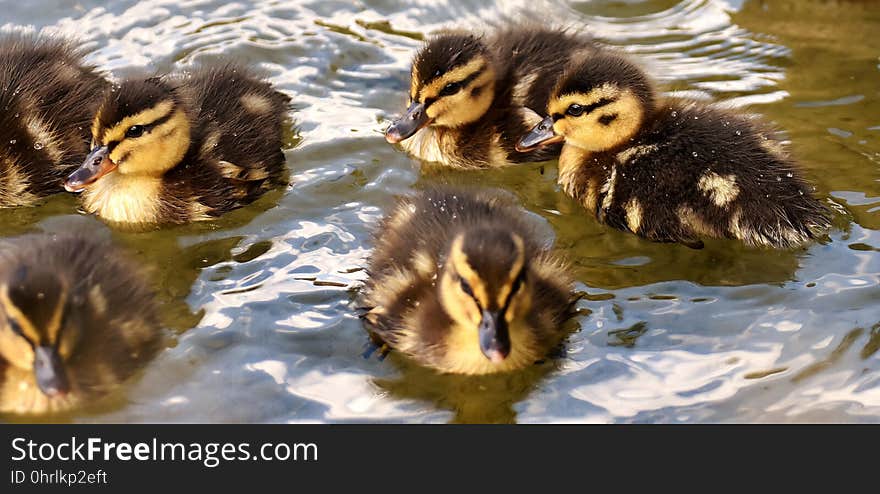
[471, 97]
[76, 321]
[48, 95]
[460, 281]
[672, 170]
[177, 149]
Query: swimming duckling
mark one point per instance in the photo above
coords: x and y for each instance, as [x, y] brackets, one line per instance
[183, 148]
[461, 282]
[672, 170]
[76, 320]
[47, 98]
[471, 98]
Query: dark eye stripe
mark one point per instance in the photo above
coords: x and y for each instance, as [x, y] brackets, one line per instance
[599, 104]
[461, 84]
[517, 283]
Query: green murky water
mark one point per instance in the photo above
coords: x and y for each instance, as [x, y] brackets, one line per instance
[260, 302]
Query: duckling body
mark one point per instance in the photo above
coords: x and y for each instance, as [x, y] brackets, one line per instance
[674, 170]
[47, 98]
[183, 148]
[472, 98]
[461, 282]
[76, 320]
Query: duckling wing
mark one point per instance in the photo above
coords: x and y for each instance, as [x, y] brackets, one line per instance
[240, 121]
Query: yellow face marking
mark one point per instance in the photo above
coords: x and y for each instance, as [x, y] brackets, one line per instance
[722, 189]
[463, 107]
[561, 103]
[156, 151]
[585, 131]
[459, 262]
[117, 132]
[518, 263]
[27, 327]
[432, 90]
[414, 83]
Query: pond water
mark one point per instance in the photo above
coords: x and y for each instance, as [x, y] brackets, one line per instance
[260, 303]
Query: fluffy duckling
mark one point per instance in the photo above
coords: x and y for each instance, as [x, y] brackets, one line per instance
[471, 98]
[47, 98]
[672, 170]
[76, 320]
[183, 148]
[461, 282]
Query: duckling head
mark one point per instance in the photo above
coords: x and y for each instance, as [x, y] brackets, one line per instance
[597, 106]
[38, 330]
[483, 289]
[452, 84]
[142, 129]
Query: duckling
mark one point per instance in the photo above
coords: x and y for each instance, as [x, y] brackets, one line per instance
[471, 98]
[48, 95]
[76, 320]
[183, 148]
[671, 170]
[461, 282]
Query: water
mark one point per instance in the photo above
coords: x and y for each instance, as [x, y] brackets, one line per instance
[259, 304]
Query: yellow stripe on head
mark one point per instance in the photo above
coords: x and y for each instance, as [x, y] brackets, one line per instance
[146, 117]
[458, 74]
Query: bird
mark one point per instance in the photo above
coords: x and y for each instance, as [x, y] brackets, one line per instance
[471, 97]
[77, 319]
[669, 169]
[48, 94]
[462, 281]
[179, 148]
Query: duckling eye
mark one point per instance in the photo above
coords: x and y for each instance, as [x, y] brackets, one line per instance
[575, 110]
[466, 287]
[16, 327]
[135, 131]
[450, 89]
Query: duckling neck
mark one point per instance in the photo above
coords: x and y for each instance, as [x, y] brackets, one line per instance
[125, 198]
[433, 143]
[581, 174]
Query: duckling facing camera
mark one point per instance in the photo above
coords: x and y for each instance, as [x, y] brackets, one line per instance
[462, 282]
[471, 98]
[48, 95]
[76, 320]
[672, 170]
[183, 148]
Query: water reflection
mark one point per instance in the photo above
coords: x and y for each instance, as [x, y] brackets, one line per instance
[668, 334]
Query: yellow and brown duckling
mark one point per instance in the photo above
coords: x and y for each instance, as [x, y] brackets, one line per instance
[76, 320]
[672, 170]
[461, 282]
[183, 148]
[48, 96]
[471, 98]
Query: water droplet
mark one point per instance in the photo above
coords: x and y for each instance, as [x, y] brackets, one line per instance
[13, 141]
[674, 113]
[695, 154]
[38, 145]
[779, 179]
[789, 175]
[739, 132]
[16, 115]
